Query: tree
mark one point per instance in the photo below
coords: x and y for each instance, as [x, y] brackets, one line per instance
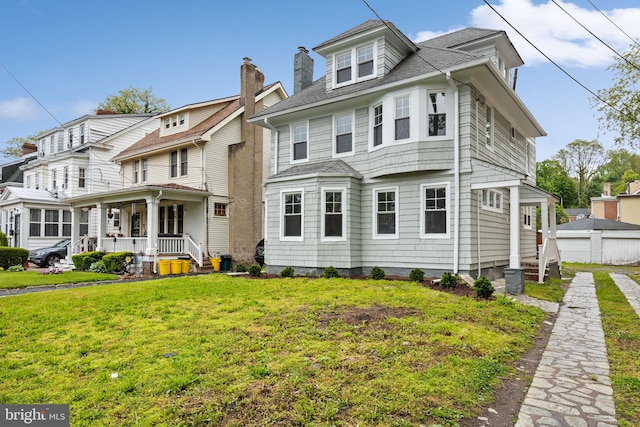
[13, 147]
[133, 100]
[581, 160]
[624, 96]
[617, 163]
[552, 178]
[627, 177]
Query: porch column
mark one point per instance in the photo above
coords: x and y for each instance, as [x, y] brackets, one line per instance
[544, 218]
[75, 230]
[152, 226]
[552, 218]
[102, 225]
[514, 258]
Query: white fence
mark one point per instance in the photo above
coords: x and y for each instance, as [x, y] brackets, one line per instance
[599, 247]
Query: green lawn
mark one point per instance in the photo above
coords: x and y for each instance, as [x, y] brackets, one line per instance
[22, 279]
[215, 350]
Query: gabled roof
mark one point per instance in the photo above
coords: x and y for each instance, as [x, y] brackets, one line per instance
[92, 117]
[370, 25]
[27, 194]
[597, 224]
[329, 168]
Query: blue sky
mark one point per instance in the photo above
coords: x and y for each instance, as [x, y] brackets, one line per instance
[72, 54]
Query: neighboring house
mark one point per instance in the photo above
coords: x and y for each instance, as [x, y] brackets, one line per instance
[599, 241]
[405, 155]
[605, 207]
[629, 203]
[72, 160]
[194, 186]
[10, 172]
[577, 213]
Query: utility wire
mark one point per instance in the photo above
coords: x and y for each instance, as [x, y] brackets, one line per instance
[31, 95]
[595, 36]
[614, 24]
[558, 66]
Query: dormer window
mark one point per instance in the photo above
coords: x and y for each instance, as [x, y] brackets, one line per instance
[181, 121]
[364, 65]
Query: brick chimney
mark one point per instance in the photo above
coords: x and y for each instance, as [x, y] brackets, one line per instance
[29, 148]
[302, 70]
[245, 171]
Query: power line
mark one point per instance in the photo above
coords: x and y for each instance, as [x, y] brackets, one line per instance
[31, 95]
[595, 36]
[614, 24]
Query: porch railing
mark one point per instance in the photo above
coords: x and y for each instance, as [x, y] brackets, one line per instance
[125, 244]
[549, 251]
[193, 249]
[171, 245]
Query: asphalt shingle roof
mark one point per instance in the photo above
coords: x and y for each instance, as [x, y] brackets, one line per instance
[332, 167]
[597, 224]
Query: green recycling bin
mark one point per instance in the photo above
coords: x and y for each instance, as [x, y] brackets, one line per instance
[225, 262]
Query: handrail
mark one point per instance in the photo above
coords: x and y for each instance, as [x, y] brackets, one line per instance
[549, 251]
[193, 249]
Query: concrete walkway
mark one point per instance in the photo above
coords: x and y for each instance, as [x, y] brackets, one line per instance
[629, 288]
[571, 386]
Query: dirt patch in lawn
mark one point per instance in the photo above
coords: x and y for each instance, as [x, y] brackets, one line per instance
[364, 316]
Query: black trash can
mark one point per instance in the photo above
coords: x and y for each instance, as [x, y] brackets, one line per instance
[225, 262]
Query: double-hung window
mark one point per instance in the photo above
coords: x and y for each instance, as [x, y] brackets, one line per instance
[167, 122]
[51, 222]
[66, 223]
[365, 61]
[52, 145]
[54, 179]
[492, 200]
[527, 214]
[70, 143]
[60, 140]
[343, 67]
[377, 125]
[81, 177]
[402, 118]
[173, 164]
[292, 218]
[82, 134]
[344, 134]
[65, 177]
[333, 221]
[183, 161]
[145, 169]
[136, 171]
[35, 216]
[437, 114]
[489, 127]
[385, 213]
[299, 142]
[434, 212]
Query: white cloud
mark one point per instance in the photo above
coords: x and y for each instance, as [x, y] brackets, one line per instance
[83, 106]
[20, 109]
[557, 34]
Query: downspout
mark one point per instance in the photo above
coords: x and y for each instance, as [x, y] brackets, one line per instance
[203, 186]
[456, 171]
[155, 253]
[478, 230]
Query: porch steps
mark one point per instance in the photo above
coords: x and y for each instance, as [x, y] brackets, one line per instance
[206, 268]
[65, 265]
[531, 270]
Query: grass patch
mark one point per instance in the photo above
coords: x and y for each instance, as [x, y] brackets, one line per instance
[22, 279]
[552, 290]
[622, 335]
[212, 349]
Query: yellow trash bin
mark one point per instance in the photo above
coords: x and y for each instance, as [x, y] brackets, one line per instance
[186, 266]
[164, 267]
[215, 262]
[176, 266]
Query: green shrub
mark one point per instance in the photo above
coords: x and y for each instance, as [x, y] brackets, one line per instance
[12, 256]
[483, 287]
[3, 239]
[241, 268]
[449, 280]
[331, 272]
[83, 261]
[377, 273]
[99, 267]
[254, 270]
[416, 275]
[114, 262]
[287, 272]
[16, 268]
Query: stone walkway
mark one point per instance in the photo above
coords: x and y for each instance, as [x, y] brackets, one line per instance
[629, 288]
[571, 386]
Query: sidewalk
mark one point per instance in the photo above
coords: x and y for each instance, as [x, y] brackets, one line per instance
[571, 386]
[629, 288]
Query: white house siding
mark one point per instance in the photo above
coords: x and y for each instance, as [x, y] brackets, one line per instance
[218, 229]
[217, 155]
[102, 126]
[388, 55]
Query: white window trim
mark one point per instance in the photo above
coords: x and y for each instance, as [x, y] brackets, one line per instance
[291, 238]
[374, 217]
[492, 194]
[490, 146]
[412, 132]
[447, 111]
[323, 212]
[528, 217]
[354, 65]
[424, 235]
[372, 118]
[306, 159]
[335, 135]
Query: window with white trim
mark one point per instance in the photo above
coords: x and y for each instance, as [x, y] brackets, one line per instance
[437, 114]
[435, 217]
[84, 222]
[377, 125]
[65, 177]
[292, 215]
[51, 222]
[527, 214]
[299, 145]
[145, 169]
[66, 223]
[489, 127]
[365, 61]
[385, 213]
[173, 164]
[52, 145]
[70, 143]
[167, 122]
[181, 120]
[333, 217]
[344, 134]
[60, 139]
[183, 161]
[402, 130]
[82, 134]
[81, 177]
[54, 179]
[343, 67]
[136, 171]
[364, 58]
[34, 222]
[492, 200]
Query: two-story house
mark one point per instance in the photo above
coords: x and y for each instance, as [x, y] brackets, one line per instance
[404, 155]
[72, 160]
[194, 186]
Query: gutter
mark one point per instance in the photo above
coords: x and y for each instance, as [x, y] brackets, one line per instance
[456, 171]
